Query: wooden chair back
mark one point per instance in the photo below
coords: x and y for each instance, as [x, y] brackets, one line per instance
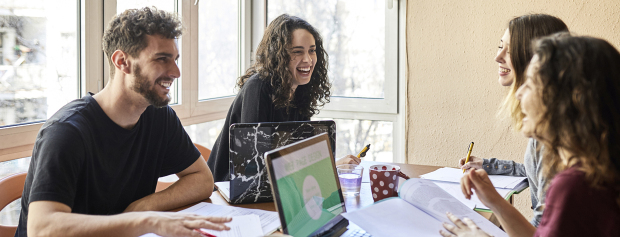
[11, 188]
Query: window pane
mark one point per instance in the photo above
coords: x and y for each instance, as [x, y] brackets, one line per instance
[352, 135]
[353, 34]
[38, 59]
[205, 133]
[10, 214]
[218, 45]
[166, 5]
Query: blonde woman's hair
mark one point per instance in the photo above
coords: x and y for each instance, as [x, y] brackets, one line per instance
[523, 30]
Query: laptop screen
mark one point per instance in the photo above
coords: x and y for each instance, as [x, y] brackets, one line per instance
[306, 185]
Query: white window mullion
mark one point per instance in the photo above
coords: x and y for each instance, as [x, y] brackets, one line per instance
[400, 125]
[188, 45]
[93, 54]
[259, 23]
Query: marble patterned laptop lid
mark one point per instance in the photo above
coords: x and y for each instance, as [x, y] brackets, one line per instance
[249, 182]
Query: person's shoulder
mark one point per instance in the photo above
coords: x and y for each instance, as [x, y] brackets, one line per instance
[569, 181]
[256, 82]
[255, 87]
[73, 114]
[572, 174]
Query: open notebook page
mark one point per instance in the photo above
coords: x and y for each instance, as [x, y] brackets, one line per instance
[454, 189]
[433, 200]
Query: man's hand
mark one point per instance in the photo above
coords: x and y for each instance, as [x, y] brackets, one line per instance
[184, 224]
[478, 181]
[474, 162]
[465, 228]
[348, 159]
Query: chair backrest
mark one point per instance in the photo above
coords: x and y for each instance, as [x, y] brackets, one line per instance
[11, 188]
[205, 152]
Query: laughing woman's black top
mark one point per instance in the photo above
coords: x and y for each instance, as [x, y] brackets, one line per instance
[253, 104]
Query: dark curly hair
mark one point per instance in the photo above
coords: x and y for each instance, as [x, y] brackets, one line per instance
[127, 31]
[272, 57]
[580, 90]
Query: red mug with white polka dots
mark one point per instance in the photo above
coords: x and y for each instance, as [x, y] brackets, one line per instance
[384, 181]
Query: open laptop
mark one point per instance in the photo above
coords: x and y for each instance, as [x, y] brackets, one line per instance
[248, 143]
[306, 189]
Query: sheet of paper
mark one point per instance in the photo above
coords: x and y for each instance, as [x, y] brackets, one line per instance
[430, 198]
[240, 226]
[269, 220]
[454, 189]
[448, 174]
[394, 217]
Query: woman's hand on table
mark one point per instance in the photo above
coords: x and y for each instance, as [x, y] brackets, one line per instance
[464, 228]
[348, 159]
[478, 181]
[474, 162]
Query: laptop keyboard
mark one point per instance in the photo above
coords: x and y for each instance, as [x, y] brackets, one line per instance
[356, 233]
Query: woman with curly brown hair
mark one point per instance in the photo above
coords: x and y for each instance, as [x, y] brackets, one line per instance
[287, 82]
[571, 103]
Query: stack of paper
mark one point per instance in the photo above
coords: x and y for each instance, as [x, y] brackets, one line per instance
[449, 180]
[246, 222]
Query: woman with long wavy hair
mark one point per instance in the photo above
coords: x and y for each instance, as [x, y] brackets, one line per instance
[571, 103]
[287, 82]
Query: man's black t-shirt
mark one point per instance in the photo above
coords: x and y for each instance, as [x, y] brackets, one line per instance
[81, 158]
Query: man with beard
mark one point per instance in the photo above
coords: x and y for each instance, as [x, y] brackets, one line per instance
[96, 162]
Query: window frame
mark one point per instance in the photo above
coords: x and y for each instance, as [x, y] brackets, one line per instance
[18, 141]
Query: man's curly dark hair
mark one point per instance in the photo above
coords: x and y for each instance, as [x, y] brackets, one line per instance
[272, 58]
[127, 31]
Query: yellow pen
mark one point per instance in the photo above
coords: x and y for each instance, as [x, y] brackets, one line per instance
[363, 152]
[471, 146]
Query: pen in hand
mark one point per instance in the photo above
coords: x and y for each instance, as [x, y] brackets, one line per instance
[363, 152]
[471, 146]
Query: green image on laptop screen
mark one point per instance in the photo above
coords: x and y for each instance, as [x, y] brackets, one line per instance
[307, 188]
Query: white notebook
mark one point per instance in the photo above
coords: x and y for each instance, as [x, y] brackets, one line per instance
[420, 208]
